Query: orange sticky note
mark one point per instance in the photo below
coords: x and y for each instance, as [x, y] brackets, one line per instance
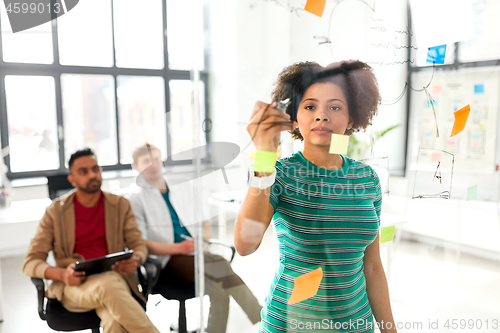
[461, 117]
[306, 286]
[315, 7]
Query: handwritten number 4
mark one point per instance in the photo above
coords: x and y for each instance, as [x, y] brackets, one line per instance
[437, 174]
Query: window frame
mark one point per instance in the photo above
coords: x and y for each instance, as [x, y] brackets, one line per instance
[55, 70]
[412, 68]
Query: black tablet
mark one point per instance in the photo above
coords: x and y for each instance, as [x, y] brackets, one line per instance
[103, 264]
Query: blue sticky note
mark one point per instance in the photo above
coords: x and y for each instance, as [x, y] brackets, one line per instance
[436, 54]
[479, 89]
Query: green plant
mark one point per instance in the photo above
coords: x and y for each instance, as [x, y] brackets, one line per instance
[357, 148]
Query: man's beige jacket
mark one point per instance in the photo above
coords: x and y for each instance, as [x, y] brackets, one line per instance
[56, 232]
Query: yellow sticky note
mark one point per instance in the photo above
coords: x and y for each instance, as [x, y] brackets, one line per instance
[306, 286]
[461, 117]
[339, 144]
[315, 7]
[387, 234]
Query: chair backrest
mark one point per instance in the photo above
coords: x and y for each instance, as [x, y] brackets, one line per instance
[148, 275]
[211, 242]
[60, 319]
[58, 185]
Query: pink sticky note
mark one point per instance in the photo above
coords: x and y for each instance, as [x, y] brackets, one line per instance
[436, 156]
[437, 89]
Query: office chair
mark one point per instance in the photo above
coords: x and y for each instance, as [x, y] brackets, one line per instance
[184, 292]
[58, 185]
[60, 319]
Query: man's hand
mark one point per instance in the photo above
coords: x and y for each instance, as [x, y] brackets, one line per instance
[71, 277]
[185, 247]
[207, 230]
[126, 265]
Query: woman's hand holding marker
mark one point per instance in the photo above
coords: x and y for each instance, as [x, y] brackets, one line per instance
[266, 124]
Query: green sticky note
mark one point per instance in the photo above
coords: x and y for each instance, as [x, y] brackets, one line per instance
[471, 193]
[264, 161]
[339, 144]
[387, 234]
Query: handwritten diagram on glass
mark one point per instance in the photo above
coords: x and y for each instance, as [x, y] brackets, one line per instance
[381, 167]
[433, 179]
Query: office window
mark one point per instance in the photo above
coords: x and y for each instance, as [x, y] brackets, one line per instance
[138, 34]
[465, 77]
[31, 106]
[486, 42]
[141, 105]
[32, 46]
[185, 21]
[85, 34]
[89, 115]
[181, 116]
[109, 79]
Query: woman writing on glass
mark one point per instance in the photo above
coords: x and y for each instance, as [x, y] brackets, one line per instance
[325, 207]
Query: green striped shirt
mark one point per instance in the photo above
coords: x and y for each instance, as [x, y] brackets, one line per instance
[323, 218]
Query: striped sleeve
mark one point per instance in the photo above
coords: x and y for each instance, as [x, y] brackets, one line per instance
[277, 187]
[377, 203]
